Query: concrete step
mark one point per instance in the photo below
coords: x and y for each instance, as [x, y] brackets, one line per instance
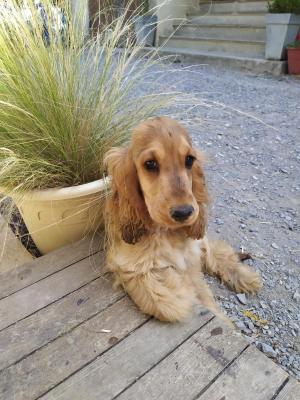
[206, 44]
[236, 7]
[255, 65]
[245, 32]
[237, 20]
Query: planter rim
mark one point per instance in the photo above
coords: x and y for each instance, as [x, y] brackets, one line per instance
[282, 18]
[68, 192]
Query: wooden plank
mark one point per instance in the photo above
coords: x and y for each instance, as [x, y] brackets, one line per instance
[291, 391]
[252, 376]
[44, 369]
[108, 375]
[35, 331]
[33, 271]
[32, 298]
[186, 371]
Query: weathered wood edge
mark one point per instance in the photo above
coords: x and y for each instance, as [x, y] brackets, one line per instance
[46, 291]
[291, 391]
[42, 267]
[66, 355]
[59, 318]
[186, 371]
[108, 375]
[252, 375]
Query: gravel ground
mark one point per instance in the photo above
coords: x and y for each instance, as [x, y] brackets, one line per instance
[253, 174]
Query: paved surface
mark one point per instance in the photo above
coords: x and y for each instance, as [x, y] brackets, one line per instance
[249, 126]
[81, 339]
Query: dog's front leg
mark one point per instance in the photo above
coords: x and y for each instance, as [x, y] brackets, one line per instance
[219, 259]
[161, 292]
[204, 293]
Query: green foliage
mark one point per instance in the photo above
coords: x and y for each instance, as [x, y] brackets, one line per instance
[284, 6]
[140, 7]
[145, 5]
[63, 105]
[295, 45]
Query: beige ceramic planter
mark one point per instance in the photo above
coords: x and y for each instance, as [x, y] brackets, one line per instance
[57, 217]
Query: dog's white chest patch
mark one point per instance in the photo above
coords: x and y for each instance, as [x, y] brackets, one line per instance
[186, 255]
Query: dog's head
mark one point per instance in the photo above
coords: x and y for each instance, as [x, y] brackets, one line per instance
[158, 180]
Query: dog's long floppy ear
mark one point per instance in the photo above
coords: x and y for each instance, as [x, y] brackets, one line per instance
[197, 230]
[126, 206]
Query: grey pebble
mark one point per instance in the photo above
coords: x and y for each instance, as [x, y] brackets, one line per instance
[294, 326]
[242, 298]
[241, 325]
[296, 296]
[250, 325]
[263, 305]
[268, 350]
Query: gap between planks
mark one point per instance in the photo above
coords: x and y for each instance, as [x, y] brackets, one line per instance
[80, 331]
[156, 362]
[185, 371]
[42, 267]
[133, 358]
[38, 330]
[251, 376]
[46, 368]
[20, 304]
[290, 391]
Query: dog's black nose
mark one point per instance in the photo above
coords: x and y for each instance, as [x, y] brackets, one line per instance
[181, 213]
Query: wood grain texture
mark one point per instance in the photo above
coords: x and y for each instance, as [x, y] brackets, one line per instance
[49, 366]
[252, 376]
[55, 320]
[291, 391]
[65, 333]
[186, 371]
[32, 298]
[40, 268]
[127, 361]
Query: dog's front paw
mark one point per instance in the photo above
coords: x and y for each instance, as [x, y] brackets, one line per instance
[246, 281]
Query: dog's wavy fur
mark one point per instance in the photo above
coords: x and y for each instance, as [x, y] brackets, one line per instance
[160, 261]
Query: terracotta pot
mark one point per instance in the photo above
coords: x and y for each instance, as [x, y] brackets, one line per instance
[294, 60]
[57, 217]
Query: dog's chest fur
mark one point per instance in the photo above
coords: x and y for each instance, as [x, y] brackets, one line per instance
[160, 251]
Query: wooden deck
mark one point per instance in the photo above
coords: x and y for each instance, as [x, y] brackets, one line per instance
[66, 334]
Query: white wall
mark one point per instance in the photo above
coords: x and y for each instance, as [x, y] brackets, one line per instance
[170, 12]
[78, 7]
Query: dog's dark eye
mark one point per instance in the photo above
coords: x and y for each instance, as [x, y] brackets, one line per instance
[151, 165]
[189, 160]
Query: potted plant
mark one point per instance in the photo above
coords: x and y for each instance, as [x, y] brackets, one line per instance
[145, 25]
[282, 25]
[63, 104]
[294, 57]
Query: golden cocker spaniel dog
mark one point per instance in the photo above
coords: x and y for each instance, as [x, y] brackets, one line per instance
[156, 221]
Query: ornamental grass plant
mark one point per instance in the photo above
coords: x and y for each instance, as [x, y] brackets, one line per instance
[65, 97]
[284, 6]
